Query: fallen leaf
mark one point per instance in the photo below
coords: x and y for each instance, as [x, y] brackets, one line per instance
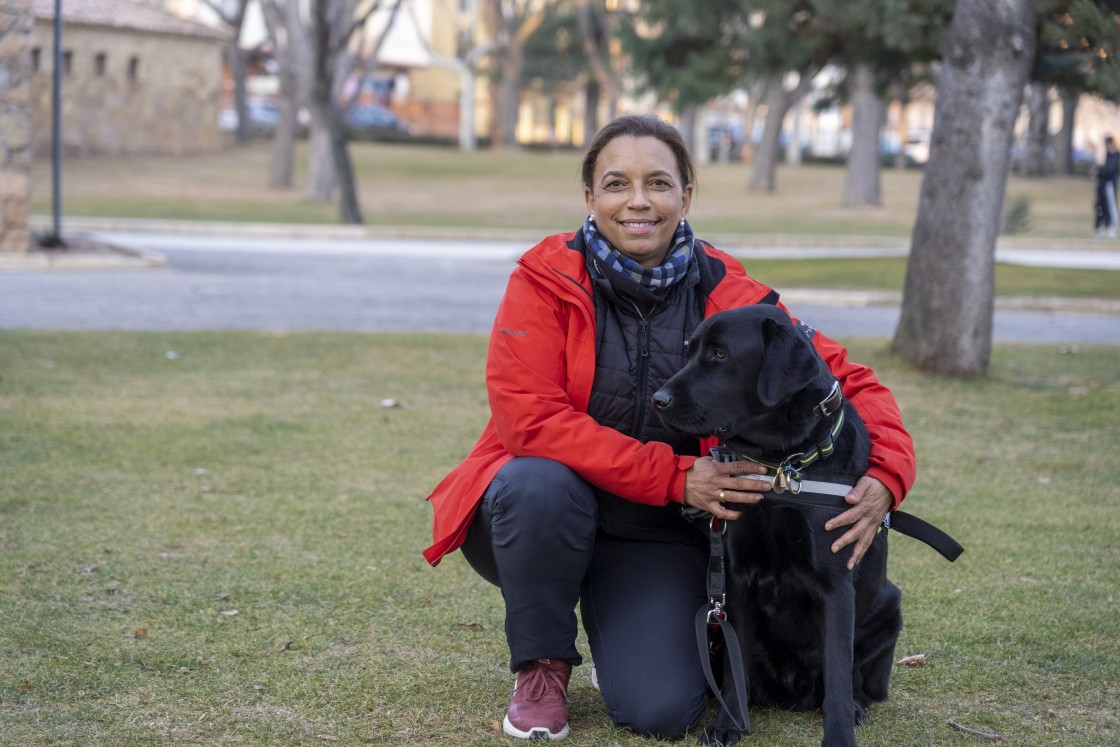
[915, 660]
[496, 727]
[473, 626]
[140, 633]
[229, 613]
[24, 687]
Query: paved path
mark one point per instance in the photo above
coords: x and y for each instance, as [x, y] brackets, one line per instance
[301, 283]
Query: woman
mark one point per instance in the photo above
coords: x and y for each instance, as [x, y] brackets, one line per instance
[573, 492]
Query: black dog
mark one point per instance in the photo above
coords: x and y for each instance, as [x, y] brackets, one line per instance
[813, 634]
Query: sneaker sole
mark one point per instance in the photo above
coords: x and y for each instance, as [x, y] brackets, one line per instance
[539, 734]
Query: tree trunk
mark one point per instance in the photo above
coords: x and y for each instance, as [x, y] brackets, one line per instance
[1038, 130]
[862, 172]
[328, 133]
[946, 321]
[513, 62]
[764, 174]
[1063, 140]
[244, 132]
[591, 95]
[603, 82]
[778, 103]
[287, 34]
[687, 127]
[903, 97]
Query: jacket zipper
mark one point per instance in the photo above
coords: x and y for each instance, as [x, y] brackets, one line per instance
[643, 376]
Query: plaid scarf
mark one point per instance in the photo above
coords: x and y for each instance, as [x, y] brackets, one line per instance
[670, 271]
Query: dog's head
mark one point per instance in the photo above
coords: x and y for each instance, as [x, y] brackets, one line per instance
[752, 379]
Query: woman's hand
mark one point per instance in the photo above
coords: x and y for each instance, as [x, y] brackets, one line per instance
[709, 483]
[870, 502]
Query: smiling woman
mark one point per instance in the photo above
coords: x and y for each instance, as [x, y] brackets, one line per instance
[573, 493]
[638, 197]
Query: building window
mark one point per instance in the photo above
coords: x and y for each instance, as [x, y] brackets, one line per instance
[67, 62]
[133, 68]
[36, 55]
[99, 64]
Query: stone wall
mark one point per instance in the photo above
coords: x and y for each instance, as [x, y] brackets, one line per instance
[127, 92]
[15, 125]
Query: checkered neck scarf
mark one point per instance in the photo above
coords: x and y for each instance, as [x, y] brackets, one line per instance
[670, 271]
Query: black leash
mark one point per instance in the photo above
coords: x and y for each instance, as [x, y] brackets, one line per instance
[714, 614]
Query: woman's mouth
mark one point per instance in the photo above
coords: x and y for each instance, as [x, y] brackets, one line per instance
[638, 227]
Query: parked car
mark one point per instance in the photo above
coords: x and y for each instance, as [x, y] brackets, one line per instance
[374, 122]
[263, 117]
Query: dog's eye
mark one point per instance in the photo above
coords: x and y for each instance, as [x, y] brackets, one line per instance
[719, 353]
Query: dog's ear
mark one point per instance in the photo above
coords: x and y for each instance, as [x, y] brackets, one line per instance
[788, 363]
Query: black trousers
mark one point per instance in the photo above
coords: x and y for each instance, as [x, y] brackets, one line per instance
[535, 536]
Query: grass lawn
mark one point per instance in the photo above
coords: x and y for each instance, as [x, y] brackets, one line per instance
[214, 538]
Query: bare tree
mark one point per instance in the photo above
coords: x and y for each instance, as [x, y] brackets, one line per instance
[232, 13]
[946, 321]
[335, 28]
[591, 22]
[512, 22]
[287, 31]
[470, 54]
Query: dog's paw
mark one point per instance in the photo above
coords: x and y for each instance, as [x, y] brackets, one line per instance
[722, 735]
[860, 713]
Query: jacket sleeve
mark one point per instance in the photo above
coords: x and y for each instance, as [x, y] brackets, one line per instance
[539, 369]
[893, 461]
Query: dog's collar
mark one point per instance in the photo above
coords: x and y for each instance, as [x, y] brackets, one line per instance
[831, 403]
[787, 473]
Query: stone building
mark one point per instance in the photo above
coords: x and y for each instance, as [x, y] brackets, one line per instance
[15, 126]
[135, 79]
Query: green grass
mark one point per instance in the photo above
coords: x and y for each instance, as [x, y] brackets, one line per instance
[144, 498]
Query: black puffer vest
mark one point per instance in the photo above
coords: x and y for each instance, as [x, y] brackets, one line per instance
[636, 353]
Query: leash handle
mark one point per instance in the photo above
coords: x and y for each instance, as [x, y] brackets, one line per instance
[735, 658]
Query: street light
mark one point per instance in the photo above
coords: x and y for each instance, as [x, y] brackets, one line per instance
[54, 239]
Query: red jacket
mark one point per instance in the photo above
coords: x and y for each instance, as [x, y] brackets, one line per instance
[539, 371]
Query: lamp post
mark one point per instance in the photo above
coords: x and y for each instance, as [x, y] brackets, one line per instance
[54, 239]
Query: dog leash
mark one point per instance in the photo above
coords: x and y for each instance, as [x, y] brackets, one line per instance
[713, 614]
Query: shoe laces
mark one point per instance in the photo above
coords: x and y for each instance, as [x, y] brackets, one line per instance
[540, 681]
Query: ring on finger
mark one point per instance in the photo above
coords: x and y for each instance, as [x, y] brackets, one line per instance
[722, 495]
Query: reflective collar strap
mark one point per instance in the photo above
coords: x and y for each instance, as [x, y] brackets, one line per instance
[823, 450]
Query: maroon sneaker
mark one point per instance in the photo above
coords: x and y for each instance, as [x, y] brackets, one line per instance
[539, 707]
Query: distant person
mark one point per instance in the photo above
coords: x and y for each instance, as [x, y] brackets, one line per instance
[1106, 173]
[572, 496]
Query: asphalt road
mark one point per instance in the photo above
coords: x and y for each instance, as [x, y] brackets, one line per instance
[213, 282]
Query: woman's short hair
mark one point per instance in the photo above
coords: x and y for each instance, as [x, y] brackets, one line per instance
[643, 125]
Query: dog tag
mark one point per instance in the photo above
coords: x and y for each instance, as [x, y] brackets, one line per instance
[781, 482]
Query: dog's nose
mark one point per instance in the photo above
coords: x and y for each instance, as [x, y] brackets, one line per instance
[661, 399]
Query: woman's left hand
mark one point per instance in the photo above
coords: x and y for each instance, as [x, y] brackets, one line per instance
[870, 502]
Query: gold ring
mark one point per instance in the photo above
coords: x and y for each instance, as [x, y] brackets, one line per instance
[722, 495]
